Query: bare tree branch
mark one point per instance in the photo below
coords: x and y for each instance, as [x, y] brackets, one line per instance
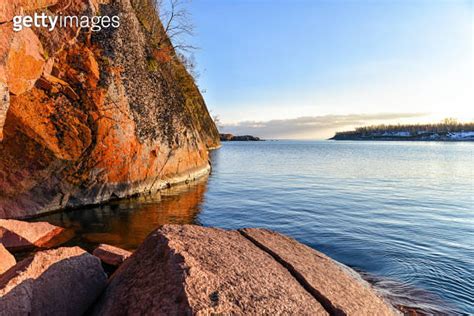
[177, 22]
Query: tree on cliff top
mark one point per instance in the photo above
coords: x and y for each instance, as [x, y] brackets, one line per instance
[177, 23]
[168, 26]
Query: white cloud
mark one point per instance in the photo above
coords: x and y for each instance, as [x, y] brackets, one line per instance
[313, 127]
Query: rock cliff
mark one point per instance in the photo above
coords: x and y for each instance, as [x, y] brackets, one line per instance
[90, 116]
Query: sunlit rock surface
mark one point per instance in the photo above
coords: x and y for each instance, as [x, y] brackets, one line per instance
[337, 287]
[90, 116]
[64, 281]
[18, 235]
[10, 8]
[6, 259]
[184, 270]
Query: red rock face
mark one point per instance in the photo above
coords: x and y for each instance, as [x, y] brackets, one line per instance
[10, 8]
[4, 104]
[84, 117]
[24, 62]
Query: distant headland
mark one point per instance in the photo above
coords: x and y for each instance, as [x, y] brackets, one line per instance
[232, 138]
[448, 130]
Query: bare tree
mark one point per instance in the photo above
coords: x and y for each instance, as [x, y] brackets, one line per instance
[177, 23]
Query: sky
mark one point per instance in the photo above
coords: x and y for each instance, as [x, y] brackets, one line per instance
[305, 69]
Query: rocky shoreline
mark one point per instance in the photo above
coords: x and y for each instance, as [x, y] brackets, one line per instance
[184, 269]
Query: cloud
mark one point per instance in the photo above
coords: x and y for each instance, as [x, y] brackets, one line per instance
[312, 127]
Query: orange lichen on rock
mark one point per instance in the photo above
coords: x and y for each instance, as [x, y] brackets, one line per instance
[10, 8]
[85, 120]
[25, 61]
[44, 120]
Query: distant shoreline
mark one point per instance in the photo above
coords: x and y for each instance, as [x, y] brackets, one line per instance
[447, 131]
[405, 139]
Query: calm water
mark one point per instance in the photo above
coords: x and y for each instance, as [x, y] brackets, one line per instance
[400, 212]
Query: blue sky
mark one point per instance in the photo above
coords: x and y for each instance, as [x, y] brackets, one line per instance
[357, 62]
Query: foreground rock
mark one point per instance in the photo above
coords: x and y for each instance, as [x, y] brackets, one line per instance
[183, 270]
[6, 259]
[188, 269]
[86, 117]
[64, 281]
[18, 235]
[111, 255]
[337, 287]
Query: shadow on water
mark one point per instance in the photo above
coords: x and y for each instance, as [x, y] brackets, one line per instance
[126, 223]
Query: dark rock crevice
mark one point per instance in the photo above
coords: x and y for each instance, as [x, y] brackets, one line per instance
[318, 296]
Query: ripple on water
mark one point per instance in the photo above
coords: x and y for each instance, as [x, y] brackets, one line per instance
[400, 212]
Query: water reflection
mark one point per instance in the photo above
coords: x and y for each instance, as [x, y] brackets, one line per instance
[126, 223]
[400, 212]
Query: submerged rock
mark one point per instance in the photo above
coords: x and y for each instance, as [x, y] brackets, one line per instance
[18, 235]
[64, 281]
[6, 259]
[91, 116]
[184, 270]
[111, 255]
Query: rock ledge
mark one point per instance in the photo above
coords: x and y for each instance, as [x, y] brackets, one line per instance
[196, 270]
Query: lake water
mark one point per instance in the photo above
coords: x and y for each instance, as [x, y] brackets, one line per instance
[401, 213]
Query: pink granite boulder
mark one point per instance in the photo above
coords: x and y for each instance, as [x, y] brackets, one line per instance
[18, 235]
[64, 281]
[187, 270]
[339, 289]
[111, 255]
